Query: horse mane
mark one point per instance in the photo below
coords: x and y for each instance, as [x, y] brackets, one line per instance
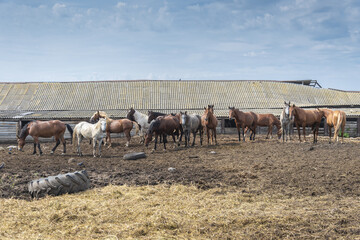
[24, 131]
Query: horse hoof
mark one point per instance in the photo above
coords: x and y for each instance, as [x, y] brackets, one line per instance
[52, 152]
[152, 151]
[62, 153]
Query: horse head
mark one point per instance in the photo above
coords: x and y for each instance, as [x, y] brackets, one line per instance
[153, 127]
[211, 108]
[21, 143]
[130, 114]
[231, 112]
[102, 122]
[183, 118]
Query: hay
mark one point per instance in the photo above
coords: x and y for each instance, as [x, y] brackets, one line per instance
[178, 212]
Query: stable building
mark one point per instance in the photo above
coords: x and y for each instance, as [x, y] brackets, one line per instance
[77, 101]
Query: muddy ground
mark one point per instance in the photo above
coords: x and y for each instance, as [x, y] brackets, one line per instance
[260, 167]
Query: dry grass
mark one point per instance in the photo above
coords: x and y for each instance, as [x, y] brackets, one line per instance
[179, 212]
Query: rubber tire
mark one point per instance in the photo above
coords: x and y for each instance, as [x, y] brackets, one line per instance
[134, 156]
[60, 184]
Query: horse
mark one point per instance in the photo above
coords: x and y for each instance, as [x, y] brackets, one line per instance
[115, 126]
[304, 118]
[141, 119]
[45, 129]
[163, 125]
[287, 123]
[242, 120]
[209, 123]
[191, 123]
[336, 119]
[268, 120]
[91, 131]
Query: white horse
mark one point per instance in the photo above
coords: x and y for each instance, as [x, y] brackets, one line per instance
[94, 132]
[287, 123]
[191, 123]
[142, 120]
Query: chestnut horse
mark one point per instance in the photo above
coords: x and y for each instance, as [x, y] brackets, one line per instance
[268, 120]
[336, 119]
[163, 125]
[209, 123]
[306, 118]
[45, 129]
[115, 126]
[244, 119]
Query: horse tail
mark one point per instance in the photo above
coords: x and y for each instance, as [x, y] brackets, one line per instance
[70, 131]
[136, 127]
[339, 123]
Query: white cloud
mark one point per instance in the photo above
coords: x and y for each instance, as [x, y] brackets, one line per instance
[120, 4]
[59, 9]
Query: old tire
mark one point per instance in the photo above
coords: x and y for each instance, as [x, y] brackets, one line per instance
[60, 184]
[134, 156]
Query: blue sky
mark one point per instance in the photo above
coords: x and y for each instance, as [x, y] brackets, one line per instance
[192, 40]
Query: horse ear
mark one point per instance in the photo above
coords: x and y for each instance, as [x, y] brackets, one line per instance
[205, 108]
[185, 112]
[285, 102]
[293, 105]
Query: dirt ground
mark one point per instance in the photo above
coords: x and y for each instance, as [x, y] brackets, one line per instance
[260, 167]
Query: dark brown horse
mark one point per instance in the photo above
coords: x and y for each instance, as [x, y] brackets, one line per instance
[209, 123]
[336, 119]
[116, 126]
[242, 120]
[268, 120]
[306, 118]
[45, 129]
[163, 126]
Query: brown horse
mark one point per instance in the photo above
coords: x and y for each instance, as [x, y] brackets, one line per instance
[336, 119]
[209, 123]
[268, 120]
[45, 129]
[163, 125]
[306, 118]
[115, 126]
[244, 119]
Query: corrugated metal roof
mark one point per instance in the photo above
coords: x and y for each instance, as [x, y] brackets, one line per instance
[78, 99]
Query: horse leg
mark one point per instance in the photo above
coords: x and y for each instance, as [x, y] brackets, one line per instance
[80, 137]
[56, 145]
[214, 133]
[165, 140]
[108, 139]
[238, 129]
[201, 136]
[37, 142]
[243, 133]
[64, 143]
[34, 152]
[194, 135]
[156, 139]
[298, 128]
[304, 131]
[100, 142]
[94, 146]
[128, 137]
[175, 145]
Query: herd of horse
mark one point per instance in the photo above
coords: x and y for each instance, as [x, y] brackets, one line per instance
[160, 125]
